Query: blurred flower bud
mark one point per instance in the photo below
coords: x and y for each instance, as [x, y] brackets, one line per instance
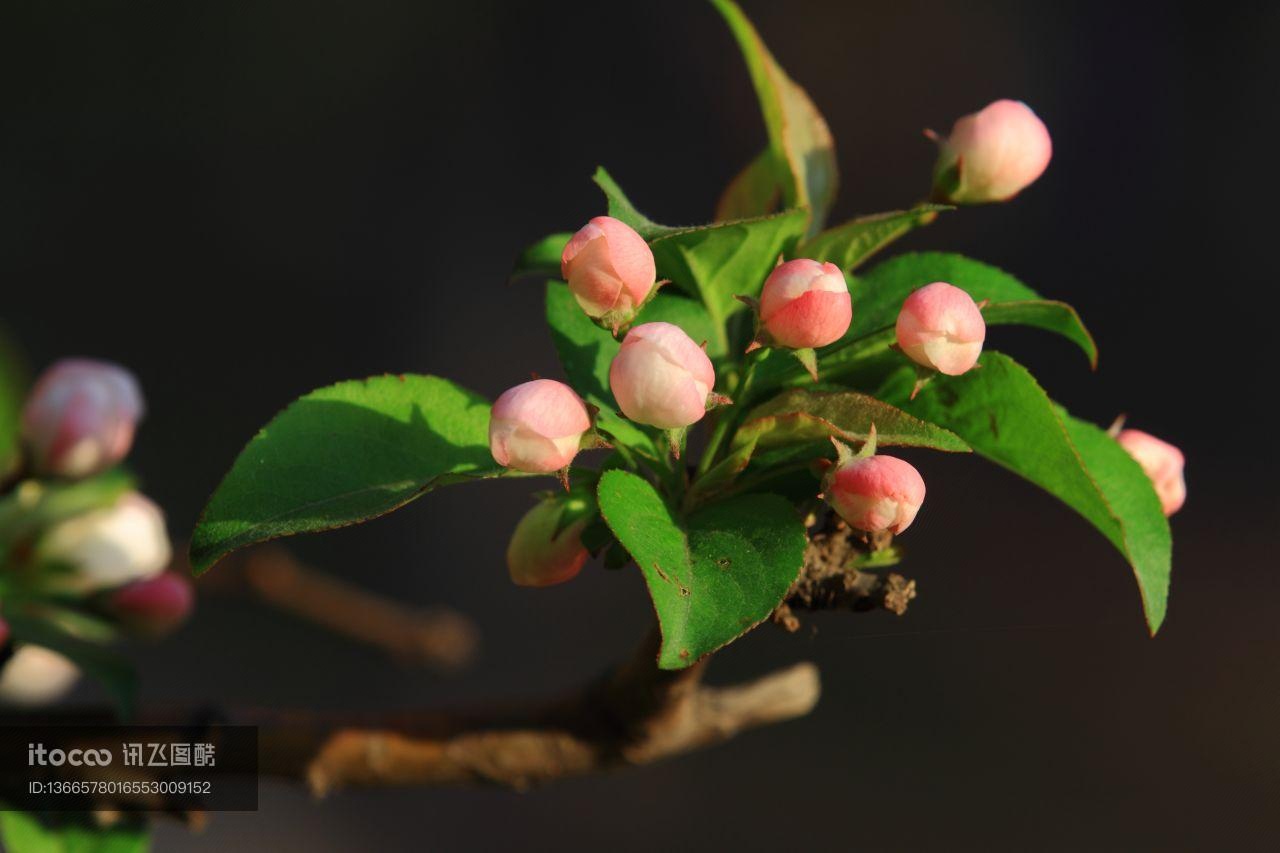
[1162, 462]
[109, 547]
[154, 606]
[805, 304]
[610, 269]
[36, 676]
[539, 555]
[4, 633]
[537, 426]
[80, 417]
[660, 377]
[992, 155]
[874, 493]
[941, 327]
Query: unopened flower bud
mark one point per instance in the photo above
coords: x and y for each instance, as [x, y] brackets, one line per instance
[36, 676]
[108, 547]
[875, 493]
[941, 327]
[609, 268]
[992, 155]
[537, 426]
[660, 377]
[154, 606]
[80, 417]
[538, 555]
[1162, 462]
[805, 304]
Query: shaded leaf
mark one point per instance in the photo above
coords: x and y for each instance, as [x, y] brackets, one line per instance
[801, 415]
[13, 391]
[543, 257]
[621, 208]
[755, 191]
[713, 576]
[1005, 416]
[849, 244]
[345, 454]
[798, 134]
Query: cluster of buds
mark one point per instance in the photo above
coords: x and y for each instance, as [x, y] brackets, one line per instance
[662, 378]
[78, 421]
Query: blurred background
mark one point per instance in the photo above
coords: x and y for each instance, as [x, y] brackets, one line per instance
[246, 201]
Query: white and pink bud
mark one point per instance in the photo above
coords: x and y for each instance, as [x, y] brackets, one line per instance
[1162, 462]
[609, 268]
[108, 547]
[805, 304]
[542, 552]
[537, 427]
[875, 493]
[155, 606]
[80, 417]
[941, 327]
[992, 155]
[35, 675]
[660, 377]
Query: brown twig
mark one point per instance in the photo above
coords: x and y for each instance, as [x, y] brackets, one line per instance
[436, 637]
[636, 715]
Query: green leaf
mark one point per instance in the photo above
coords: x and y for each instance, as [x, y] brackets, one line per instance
[878, 296]
[543, 257]
[798, 134]
[755, 191]
[13, 392]
[1005, 416]
[801, 415]
[1047, 314]
[719, 262]
[23, 832]
[621, 208]
[104, 665]
[850, 244]
[714, 576]
[345, 454]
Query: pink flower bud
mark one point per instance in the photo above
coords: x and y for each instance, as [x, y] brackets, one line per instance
[36, 676]
[941, 327]
[537, 426]
[155, 606]
[805, 304]
[661, 377]
[1162, 462]
[538, 555]
[108, 547]
[875, 493]
[992, 155]
[609, 268]
[80, 417]
[4, 633]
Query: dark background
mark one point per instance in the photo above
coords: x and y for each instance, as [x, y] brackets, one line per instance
[246, 201]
